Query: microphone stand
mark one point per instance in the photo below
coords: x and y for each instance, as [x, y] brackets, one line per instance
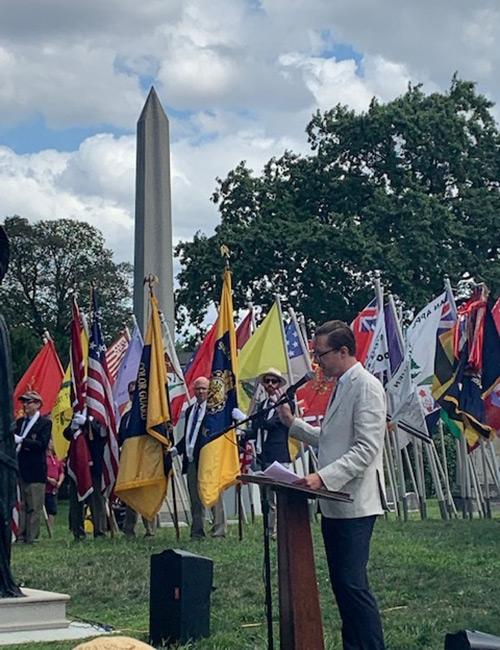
[284, 399]
[264, 496]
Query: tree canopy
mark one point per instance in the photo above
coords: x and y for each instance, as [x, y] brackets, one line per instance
[49, 260]
[410, 188]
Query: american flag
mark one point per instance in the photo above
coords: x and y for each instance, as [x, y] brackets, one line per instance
[115, 354]
[79, 455]
[100, 398]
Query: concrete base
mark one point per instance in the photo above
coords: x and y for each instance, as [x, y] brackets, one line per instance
[37, 610]
[40, 616]
[74, 630]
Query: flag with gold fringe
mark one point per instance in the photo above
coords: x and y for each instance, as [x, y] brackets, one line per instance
[219, 461]
[144, 464]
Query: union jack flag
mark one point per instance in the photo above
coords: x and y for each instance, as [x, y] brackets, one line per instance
[100, 398]
[363, 328]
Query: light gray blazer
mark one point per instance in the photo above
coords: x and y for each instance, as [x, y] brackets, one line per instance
[350, 445]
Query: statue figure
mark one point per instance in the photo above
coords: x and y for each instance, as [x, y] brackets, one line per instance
[8, 461]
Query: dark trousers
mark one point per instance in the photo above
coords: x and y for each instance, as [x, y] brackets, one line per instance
[97, 509]
[347, 545]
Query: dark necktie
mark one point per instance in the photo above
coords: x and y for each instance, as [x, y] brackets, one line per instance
[194, 423]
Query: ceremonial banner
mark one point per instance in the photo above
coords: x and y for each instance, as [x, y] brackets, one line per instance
[115, 354]
[200, 364]
[44, 375]
[79, 455]
[144, 465]
[61, 415]
[263, 350]
[219, 461]
[476, 369]
[244, 330]
[413, 406]
[127, 372]
[177, 388]
[363, 327]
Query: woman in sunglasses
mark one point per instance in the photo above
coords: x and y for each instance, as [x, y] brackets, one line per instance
[269, 434]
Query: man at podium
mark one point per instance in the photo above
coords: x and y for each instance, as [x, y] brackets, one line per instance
[350, 447]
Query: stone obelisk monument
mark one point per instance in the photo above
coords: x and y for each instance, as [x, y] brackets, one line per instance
[153, 214]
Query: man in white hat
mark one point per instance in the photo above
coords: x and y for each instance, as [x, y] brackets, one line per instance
[32, 435]
[270, 435]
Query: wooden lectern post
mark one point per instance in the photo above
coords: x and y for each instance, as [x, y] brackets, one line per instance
[300, 614]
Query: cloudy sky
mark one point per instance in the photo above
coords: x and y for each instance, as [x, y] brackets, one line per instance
[239, 80]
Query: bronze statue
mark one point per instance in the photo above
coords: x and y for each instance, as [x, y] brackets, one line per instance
[8, 461]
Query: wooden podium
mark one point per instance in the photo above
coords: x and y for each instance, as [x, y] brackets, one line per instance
[300, 614]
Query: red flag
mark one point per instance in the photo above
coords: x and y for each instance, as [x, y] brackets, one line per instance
[44, 375]
[315, 396]
[363, 328]
[200, 364]
[244, 330]
[79, 455]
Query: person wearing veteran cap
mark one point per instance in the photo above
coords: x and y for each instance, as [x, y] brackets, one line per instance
[32, 435]
[269, 434]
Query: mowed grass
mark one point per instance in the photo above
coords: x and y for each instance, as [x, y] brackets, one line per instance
[429, 578]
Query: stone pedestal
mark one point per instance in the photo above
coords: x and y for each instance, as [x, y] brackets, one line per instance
[37, 610]
[40, 616]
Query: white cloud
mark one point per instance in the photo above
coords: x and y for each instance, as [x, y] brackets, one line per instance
[241, 80]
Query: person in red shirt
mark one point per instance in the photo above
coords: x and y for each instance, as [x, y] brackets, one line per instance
[55, 478]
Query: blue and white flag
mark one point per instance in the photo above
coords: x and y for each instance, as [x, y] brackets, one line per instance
[127, 372]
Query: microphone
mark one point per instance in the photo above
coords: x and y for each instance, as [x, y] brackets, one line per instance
[291, 390]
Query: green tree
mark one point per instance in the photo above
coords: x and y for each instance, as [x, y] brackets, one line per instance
[48, 261]
[409, 187]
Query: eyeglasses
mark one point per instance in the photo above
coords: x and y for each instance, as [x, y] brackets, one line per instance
[318, 355]
[270, 380]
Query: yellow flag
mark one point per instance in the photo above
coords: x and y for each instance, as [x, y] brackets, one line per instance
[61, 415]
[62, 411]
[219, 463]
[264, 349]
[144, 468]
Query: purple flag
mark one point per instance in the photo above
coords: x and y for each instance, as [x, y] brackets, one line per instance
[127, 372]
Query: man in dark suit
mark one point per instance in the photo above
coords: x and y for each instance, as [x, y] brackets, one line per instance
[269, 434]
[189, 446]
[95, 435]
[32, 435]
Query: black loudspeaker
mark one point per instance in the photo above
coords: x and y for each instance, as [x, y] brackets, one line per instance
[468, 639]
[179, 597]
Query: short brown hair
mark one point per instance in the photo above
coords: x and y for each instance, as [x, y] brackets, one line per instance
[339, 334]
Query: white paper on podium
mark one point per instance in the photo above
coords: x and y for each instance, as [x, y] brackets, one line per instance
[277, 472]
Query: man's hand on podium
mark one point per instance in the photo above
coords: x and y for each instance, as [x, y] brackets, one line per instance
[312, 481]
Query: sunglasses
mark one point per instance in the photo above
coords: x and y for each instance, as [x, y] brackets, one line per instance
[271, 380]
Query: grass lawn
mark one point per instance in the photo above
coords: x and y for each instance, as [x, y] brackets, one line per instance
[429, 578]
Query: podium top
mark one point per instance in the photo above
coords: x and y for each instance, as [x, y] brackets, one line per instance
[307, 492]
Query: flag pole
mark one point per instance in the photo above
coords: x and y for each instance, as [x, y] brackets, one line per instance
[417, 479]
[225, 253]
[305, 354]
[400, 476]
[150, 280]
